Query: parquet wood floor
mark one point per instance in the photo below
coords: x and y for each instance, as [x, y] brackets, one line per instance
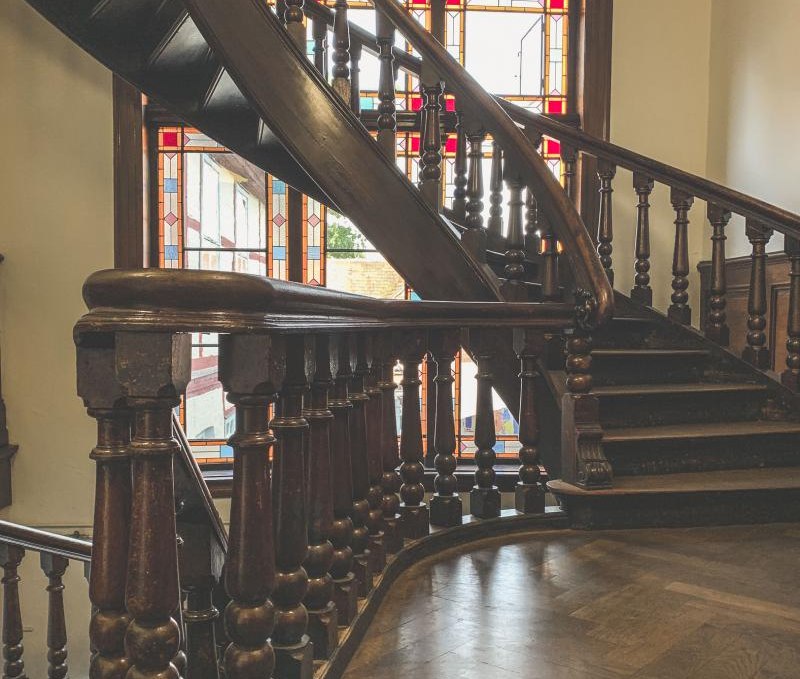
[699, 603]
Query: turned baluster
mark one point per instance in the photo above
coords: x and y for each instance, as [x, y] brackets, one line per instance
[102, 395]
[460, 171]
[341, 51]
[529, 491]
[345, 584]
[359, 468]
[532, 236]
[294, 18]
[474, 239]
[569, 156]
[14, 665]
[642, 292]
[375, 458]
[355, 77]
[446, 509]
[54, 567]
[322, 613]
[605, 224]
[514, 288]
[390, 457]
[413, 511]
[153, 369]
[495, 223]
[791, 376]
[387, 110]
[319, 31]
[756, 352]
[294, 653]
[680, 311]
[551, 290]
[250, 371]
[716, 323]
[484, 496]
[430, 167]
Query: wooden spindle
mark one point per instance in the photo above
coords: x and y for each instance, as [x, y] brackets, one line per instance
[359, 469]
[341, 51]
[529, 491]
[605, 224]
[484, 496]
[345, 584]
[532, 240]
[642, 292]
[756, 352]
[102, 395]
[446, 509]
[791, 376]
[294, 653]
[551, 290]
[680, 311]
[375, 458]
[430, 151]
[495, 224]
[387, 110]
[355, 77]
[250, 370]
[413, 510]
[319, 32]
[459, 205]
[14, 664]
[294, 17]
[200, 617]
[153, 369]
[717, 329]
[474, 239]
[322, 614]
[54, 567]
[569, 156]
[514, 288]
[390, 457]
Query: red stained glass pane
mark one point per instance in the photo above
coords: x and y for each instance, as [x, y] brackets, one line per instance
[556, 4]
[416, 103]
[453, 2]
[450, 104]
[451, 144]
[555, 106]
[418, 2]
[415, 144]
[169, 138]
[552, 147]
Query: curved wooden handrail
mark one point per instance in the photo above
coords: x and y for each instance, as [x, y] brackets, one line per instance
[481, 106]
[43, 541]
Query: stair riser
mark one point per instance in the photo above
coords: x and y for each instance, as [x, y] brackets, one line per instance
[715, 508]
[654, 409]
[676, 456]
[608, 370]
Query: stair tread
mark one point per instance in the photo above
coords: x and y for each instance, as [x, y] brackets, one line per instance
[652, 353]
[692, 482]
[678, 388]
[700, 430]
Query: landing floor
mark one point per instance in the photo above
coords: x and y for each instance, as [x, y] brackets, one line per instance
[700, 603]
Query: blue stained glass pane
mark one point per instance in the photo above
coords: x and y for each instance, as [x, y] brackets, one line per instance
[367, 103]
[279, 253]
[309, 47]
[225, 451]
[414, 297]
[278, 187]
[171, 185]
[313, 252]
[171, 252]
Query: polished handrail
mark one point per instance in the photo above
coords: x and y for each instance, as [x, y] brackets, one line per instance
[44, 541]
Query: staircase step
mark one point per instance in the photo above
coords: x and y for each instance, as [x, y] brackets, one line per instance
[675, 448]
[648, 366]
[698, 498]
[672, 389]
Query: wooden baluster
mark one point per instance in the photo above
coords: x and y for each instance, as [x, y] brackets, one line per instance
[446, 509]
[680, 311]
[359, 468]
[551, 290]
[54, 567]
[569, 156]
[375, 458]
[153, 370]
[430, 151]
[717, 329]
[390, 457]
[345, 584]
[532, 240]
[460, 171]
[514, 288]
[756, 352]
[294, 18]
[102, 395]
[415, 520]
[529, 491]
[642, 292]
[355, 77]
[387, 110]
[294, 653]
[474, 239]
[280, 10]
[319, 31]
[322, 614]
[605, 224]
[791, 376]
[341, 51]
[14, 665]
[583, 460]
[495, 224]
[250, 370]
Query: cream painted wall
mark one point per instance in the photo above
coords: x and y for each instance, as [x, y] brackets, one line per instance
[55, 229]
[753, 144]
[659, 107]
